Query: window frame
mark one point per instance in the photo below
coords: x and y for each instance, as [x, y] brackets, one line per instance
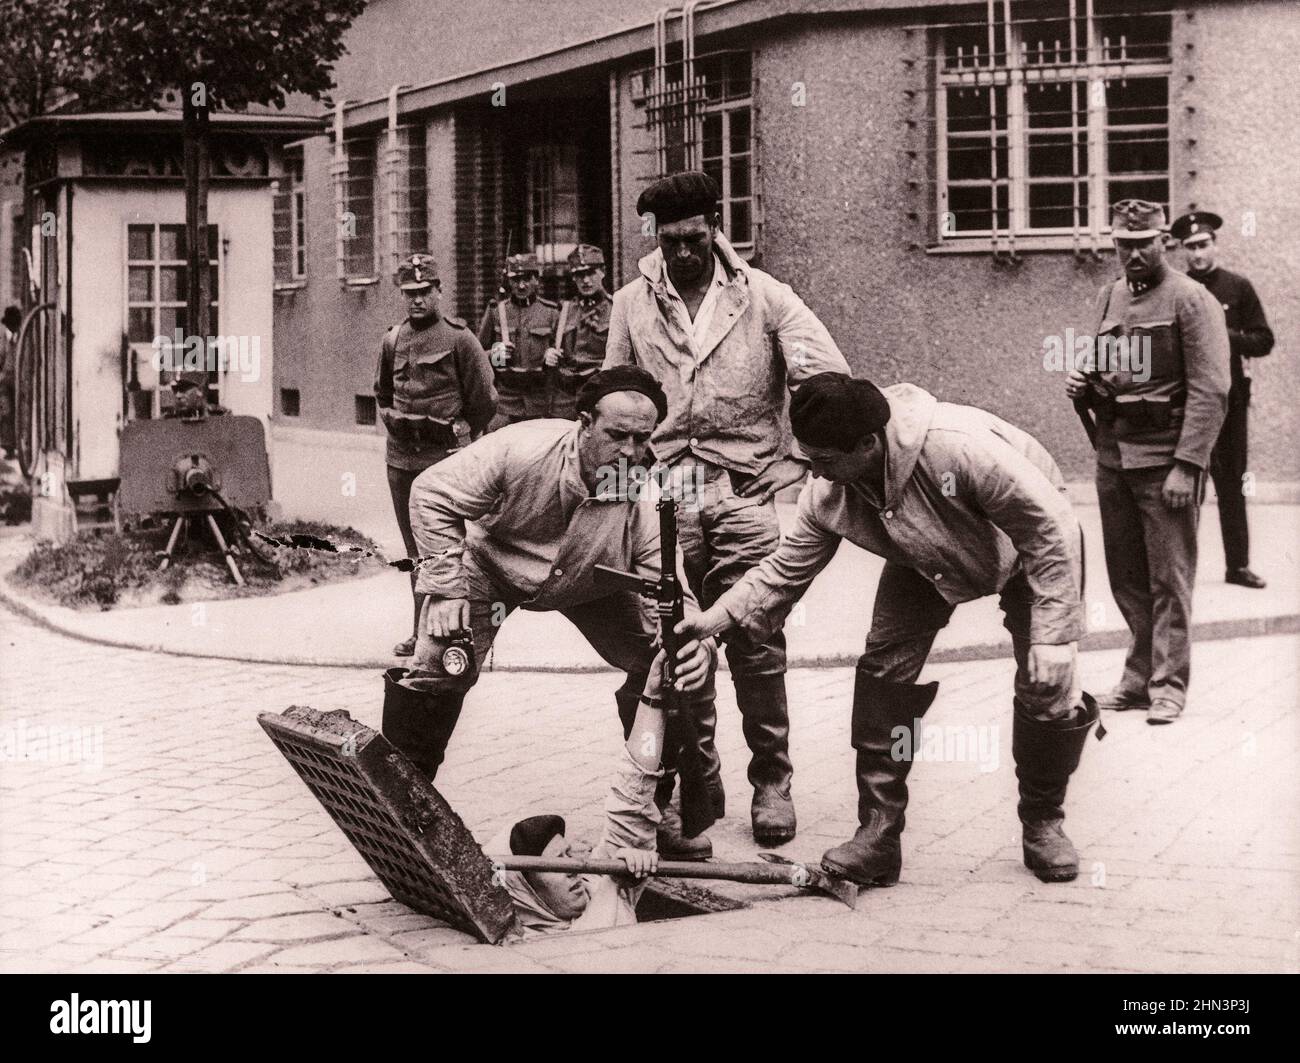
[1016, 133]
[157, 304]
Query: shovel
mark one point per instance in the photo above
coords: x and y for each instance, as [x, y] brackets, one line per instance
[778, 871]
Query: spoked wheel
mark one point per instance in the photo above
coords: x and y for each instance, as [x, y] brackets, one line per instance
[26, 416]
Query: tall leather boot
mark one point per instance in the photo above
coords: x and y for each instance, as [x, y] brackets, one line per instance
[765, 721]
[419, 722]
[1046, 753]
[874, 856]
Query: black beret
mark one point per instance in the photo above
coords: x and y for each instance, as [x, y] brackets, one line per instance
[835, 410]
[622, 378]
[678, 196]
[530, 836]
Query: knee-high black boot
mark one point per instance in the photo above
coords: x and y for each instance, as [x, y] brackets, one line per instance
[1046, 753]
[765, 720]
[874, 856]
[419, 722]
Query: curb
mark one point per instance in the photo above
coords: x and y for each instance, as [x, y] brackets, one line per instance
[1205, 631]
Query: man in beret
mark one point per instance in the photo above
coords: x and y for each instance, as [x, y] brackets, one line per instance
[1159, 389]
[960, 504]
[727, 341]
[583, 329]
[518, 331]
[1248, 337]
[433, 390]
[519, 520]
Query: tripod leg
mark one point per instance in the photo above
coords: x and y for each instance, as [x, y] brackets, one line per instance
[171, 543]
[225, 550]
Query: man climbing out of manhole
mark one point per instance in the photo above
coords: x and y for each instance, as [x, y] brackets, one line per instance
[546, 902]
[960, 504]
[520, 519]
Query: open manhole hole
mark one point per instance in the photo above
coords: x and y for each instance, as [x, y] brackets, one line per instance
[421, 849]
[668, 899]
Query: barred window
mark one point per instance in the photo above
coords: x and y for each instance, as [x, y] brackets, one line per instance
[355, 177]
[408, 192]
[552, 201]
[290, 221]
[1044, 121]
[711, 126]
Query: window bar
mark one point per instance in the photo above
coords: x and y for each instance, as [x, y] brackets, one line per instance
[660, 89]
[1098, 201]
[993, 135]
[690, 116]
[1074, 130]
[1016, 146]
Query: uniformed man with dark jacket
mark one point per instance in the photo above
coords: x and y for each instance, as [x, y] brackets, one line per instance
[1248, 337]
[583, 330]
[433, 388]
[1159, 389]
[518, 332]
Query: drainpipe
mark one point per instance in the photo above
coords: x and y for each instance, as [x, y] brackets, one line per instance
[339, 173]
[392, 161]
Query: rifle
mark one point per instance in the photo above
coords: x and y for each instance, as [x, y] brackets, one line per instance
[681, 733]
[503, 293]
[553, 371]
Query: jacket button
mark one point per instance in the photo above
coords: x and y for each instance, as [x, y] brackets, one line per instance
[694, 442]
[559, 572]
[889, 514]
[938, 576]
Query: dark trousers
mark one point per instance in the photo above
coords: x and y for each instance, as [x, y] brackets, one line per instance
[1151, 561]
[1228, 467]
[399, 486]
[909, 613]
[615, 626]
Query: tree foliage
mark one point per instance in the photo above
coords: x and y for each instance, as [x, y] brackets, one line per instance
[127, 54]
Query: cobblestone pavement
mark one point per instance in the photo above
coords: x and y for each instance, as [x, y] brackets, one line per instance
[170, 835]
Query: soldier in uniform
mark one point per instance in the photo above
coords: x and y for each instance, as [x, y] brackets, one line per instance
[519, 332]
[1249, 337]
[583, 330]
[1159, 411]
[433, 388]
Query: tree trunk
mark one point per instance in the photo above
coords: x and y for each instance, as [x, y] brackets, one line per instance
[195, 132]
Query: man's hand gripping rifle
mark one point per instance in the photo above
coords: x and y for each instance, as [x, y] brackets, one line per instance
[681, 734]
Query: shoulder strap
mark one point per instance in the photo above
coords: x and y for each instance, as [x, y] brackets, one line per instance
[390, 342]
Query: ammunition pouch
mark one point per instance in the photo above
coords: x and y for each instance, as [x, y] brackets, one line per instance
[1142, 415]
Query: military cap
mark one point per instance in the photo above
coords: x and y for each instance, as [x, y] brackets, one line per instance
[418, 271]
[517, 264]
[1197, 223]
[1136, 219]
[678, 196]
[586, 257]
